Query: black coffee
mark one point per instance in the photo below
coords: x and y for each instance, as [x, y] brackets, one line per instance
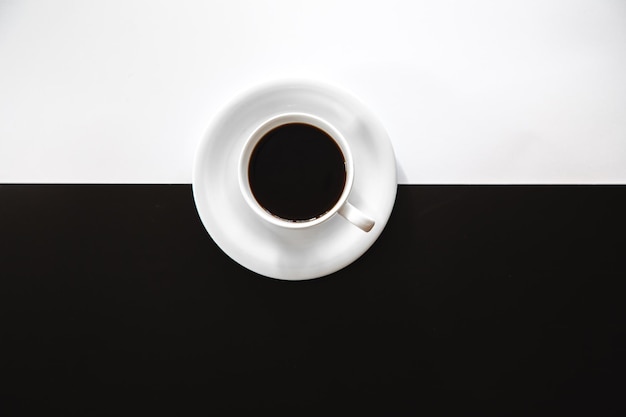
[297, 172]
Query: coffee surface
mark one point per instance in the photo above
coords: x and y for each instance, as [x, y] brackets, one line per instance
[297, 172]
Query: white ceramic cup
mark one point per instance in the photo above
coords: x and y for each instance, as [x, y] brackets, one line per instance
[342, 206]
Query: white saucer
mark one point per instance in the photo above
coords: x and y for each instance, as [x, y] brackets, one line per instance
[273, 251]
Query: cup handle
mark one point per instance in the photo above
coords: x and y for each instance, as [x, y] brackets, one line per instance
[356, 217]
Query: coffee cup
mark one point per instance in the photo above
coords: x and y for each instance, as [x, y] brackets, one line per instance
[296, 171]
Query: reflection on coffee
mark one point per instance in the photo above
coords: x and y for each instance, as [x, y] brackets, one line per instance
[297, 172]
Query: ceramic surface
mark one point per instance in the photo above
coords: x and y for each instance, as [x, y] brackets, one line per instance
[274, 251]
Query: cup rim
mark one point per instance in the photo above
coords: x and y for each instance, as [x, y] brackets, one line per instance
[254, 138]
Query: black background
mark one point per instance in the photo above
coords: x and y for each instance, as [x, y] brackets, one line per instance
[475, 300]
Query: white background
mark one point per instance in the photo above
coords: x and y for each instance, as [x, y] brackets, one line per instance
[470, 91]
